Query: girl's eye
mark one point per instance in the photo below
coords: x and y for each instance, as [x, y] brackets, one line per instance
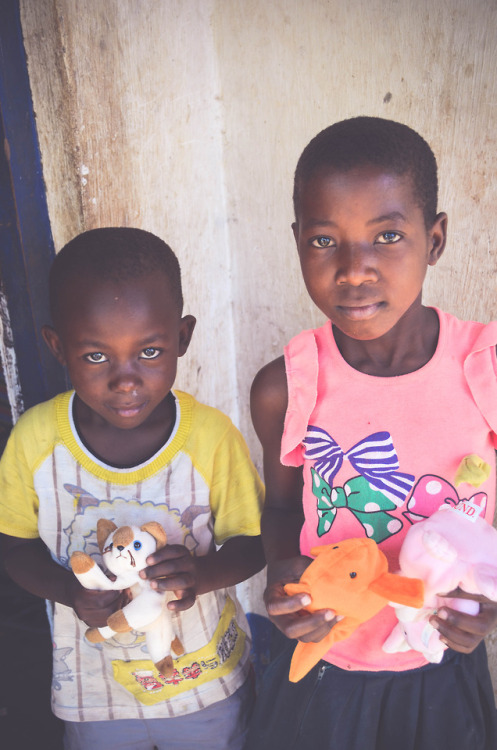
[322, 242]
[96, 357]
[389, 238]
[150, 352]
[137, 545]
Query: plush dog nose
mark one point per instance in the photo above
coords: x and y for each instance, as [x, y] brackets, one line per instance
[120, 547]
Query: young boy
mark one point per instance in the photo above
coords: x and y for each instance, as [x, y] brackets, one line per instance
[125, 447]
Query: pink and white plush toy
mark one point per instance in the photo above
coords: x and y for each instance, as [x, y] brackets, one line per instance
[124, 551]
[453, 547]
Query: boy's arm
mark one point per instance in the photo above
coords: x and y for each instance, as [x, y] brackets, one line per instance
[29, 563]
[282, 517]
[175, 569]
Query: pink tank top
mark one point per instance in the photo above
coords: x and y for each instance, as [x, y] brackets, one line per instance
[379, 454]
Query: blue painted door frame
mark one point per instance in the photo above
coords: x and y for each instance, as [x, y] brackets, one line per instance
[26, 245]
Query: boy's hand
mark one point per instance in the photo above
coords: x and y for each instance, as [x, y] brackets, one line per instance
[463, 632]
[286, 611]
[173, 568]
[94, 607]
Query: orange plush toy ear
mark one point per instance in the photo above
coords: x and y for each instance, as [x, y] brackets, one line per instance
[399, 589]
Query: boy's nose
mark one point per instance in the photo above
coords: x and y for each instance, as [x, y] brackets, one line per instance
[124, 380]
[355, 266]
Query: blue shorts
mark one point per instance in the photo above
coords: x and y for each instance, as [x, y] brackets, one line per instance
[436, 707]
[222, 726]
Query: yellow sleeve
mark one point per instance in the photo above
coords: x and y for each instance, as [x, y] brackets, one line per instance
[18, 500]
[219, 452]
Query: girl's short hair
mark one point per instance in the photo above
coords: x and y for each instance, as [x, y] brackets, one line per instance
[361, 141]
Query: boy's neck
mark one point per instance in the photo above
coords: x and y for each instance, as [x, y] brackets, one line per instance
[124, 449]
[406, 348]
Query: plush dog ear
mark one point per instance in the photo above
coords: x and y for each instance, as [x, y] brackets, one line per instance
[158, 533]
[104, 528]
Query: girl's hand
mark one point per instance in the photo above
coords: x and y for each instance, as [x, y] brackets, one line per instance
[286, 611]
[94, 607]
[173, 568]
[463, 632]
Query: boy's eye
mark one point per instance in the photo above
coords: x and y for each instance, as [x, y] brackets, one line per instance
[96, 357]
[389, 238]
[322, 242]
[150, 352]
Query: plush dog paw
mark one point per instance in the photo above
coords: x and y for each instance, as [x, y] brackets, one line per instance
[81, 563]
[93, 635]
[177, 647]
[165, 666]
[117, 621]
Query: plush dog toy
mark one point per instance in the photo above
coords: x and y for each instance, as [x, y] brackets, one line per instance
[352, 578]
[124, 551]
[453, 547]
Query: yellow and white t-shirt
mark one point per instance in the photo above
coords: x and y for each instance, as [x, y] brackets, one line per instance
[201, 486]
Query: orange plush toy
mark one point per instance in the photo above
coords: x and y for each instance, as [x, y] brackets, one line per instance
[351, 578]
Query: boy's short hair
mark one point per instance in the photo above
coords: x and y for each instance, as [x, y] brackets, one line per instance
[374, 141]
[114, 254]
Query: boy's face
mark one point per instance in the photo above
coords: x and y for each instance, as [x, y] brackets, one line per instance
[120, 342]
[364, 248]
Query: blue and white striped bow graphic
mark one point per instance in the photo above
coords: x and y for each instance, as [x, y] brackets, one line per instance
[373, 457]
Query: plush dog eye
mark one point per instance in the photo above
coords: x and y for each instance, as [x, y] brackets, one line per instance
[352, 575]
[137, 545]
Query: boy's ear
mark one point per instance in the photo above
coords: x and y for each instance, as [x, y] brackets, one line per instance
[54, 343]
[186, 326]
[438, 235]
[295, 230]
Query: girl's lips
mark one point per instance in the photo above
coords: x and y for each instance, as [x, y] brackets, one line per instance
[360, 312]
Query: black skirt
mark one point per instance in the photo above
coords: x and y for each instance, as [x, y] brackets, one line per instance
[447, 706]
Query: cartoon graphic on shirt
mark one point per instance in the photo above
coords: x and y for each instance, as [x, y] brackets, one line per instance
[431, 492]
[379, 488]
[61, 672]
[368, 505]
[179, 525]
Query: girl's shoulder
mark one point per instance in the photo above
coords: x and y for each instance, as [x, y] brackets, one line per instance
[269, 395]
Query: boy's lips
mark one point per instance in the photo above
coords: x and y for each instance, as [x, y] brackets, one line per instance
[127, 410]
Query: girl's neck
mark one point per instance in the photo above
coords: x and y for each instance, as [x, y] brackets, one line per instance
[407, 347]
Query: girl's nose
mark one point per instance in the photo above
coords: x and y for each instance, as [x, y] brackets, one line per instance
[355, 266]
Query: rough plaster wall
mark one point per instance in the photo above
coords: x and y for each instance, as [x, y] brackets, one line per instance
[186, 117]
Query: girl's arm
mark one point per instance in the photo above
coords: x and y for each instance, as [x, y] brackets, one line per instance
[463, 632]
[282, 517]
[29, 563]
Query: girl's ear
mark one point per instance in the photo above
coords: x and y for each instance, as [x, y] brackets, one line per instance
[438, 236]
[186, 326]
[52, 340]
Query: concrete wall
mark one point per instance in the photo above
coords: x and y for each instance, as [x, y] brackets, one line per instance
[186, 118]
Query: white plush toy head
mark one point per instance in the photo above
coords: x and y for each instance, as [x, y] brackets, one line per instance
[126, 548]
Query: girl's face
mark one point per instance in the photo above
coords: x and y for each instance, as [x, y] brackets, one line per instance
[364, 248]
